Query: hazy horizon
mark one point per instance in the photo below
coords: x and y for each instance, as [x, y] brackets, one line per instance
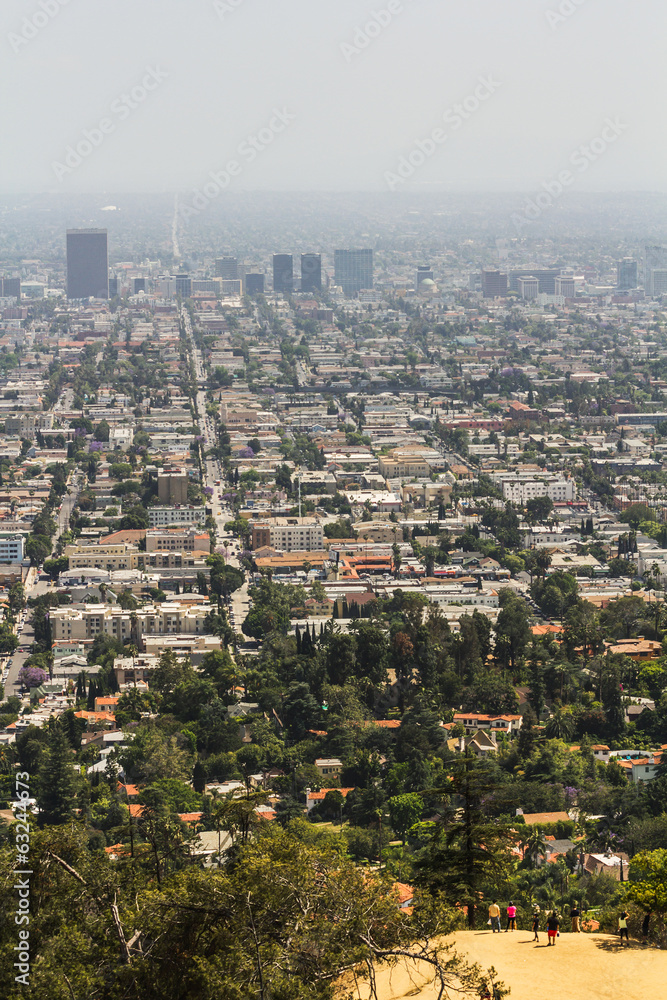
[403, 95]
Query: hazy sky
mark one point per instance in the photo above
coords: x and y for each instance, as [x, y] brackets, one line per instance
[350, 105]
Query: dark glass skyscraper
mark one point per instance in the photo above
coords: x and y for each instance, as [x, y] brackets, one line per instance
[11, 287]
[311, 272]
[283, 273]
[87, 264]
[627, 274]
[353, 270]
[254, 283]
[226, 267]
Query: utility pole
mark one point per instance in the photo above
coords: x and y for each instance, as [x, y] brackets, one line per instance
[299, 481]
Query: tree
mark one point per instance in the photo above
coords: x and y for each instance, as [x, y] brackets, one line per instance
[404, 811]
[54, 567]
[535, 845]
[56, 788]
[512, 630]
[636, 513]
[16, 598]
[224, 579]
[37, 549]
[560, 726]
[101, 432]
[539, 508]
[285, 920]
[472, 850]
[127, 601]
[647, 886]
[135, 519]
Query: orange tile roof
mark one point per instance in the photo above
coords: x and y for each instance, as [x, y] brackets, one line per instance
[128, 789]
[320, 796]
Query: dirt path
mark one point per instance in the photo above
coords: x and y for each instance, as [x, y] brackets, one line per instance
[580, 967]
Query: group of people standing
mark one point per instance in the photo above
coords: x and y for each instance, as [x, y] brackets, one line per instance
[552, 921]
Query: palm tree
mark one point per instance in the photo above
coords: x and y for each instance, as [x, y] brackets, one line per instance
[542, 561]
[535, 846]
[561, 725]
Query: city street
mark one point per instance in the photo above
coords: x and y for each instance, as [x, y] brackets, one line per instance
[221, 512]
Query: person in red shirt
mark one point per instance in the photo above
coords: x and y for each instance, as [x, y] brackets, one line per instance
[553, 923]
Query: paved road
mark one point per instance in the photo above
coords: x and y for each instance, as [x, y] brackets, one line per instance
[36, 588]
[221, 511]
[26, 637]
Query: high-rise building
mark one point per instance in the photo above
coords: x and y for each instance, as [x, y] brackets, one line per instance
[565, 286]
[424, 271]
[183, 285]
[283, 273]
[227, 267]
[545, 276]
[659, 281]
[627, 275]
[138, 285]
[353, 270]
[254, 283]
[655, 259]
[311, 272]
[172, 486]
[494, 283]
[114, 287]
[529, 287]
[10, 287]
[87, 264]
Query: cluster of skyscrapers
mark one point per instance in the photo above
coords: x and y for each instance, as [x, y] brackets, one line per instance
[88, 274]
[88, 270]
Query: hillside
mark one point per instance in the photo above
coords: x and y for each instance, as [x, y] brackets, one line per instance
[580, 966]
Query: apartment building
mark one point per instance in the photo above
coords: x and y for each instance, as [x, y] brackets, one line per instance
[518, 488]
[172, 486]
[177, 540]
[414, 462]
[289, 535]
[162, 517]
[108, 557]
[12, 548]
[74, 622]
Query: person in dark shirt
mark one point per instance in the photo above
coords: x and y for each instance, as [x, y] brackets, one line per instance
[553, 923]
[646, 923]
[536, 923]
[575, 915]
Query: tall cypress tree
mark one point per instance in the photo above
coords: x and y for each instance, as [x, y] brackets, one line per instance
[56, 786]
[297, 633]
